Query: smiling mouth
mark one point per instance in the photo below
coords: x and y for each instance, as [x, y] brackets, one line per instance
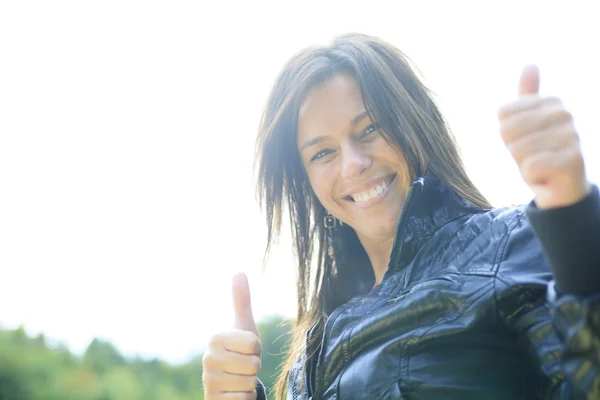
[371, 193]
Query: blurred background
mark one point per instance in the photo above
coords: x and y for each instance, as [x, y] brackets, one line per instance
[127, 135]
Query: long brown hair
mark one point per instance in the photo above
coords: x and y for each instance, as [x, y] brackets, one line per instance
[407, 114]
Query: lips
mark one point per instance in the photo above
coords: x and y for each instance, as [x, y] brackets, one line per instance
[371, 192]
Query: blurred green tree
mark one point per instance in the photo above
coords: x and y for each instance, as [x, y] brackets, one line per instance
[32, 369]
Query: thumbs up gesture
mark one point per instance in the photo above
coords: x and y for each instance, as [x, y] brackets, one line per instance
[541, 137]
[232, 361]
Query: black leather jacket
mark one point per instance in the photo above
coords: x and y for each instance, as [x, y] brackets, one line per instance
[461, 313]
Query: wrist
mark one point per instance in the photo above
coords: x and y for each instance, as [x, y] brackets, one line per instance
[574, 196]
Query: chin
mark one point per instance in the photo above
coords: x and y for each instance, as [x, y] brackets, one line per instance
[381, 225]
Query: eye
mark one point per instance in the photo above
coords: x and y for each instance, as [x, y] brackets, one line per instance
[320, 154]
[369, 130]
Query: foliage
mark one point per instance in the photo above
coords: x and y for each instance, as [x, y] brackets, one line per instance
[31, 369]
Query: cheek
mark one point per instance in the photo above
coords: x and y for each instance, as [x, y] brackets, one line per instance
[322, 182]
[394, 159]
[392, 156]
[386, 150]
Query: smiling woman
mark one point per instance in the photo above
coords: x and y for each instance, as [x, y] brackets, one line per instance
[419, 288]
[338, 142]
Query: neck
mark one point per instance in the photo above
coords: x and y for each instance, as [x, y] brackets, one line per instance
[379, 251]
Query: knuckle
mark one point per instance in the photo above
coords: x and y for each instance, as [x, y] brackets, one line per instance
[504, 131]
[205, 359]
[504, 110]
[505, 123]
[250, 383]
[250, 343]
[519, 151]
[215, 340]
[246, 346]
[553, 100]
[511, 129]
[257, 347]
[563, 115]
[209, 360]
[514, 147]
[207, 380]
[256, 364]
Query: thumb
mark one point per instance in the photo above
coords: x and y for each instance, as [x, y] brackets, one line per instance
[242, 307]
[529, 83]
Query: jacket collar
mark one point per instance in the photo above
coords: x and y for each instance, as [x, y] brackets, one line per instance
[430, 204]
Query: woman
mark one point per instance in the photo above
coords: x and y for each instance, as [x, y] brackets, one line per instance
[410, 285]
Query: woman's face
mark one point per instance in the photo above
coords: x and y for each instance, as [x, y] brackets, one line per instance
[357, 176]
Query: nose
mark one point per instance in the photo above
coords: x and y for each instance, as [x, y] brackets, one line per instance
[354, 161]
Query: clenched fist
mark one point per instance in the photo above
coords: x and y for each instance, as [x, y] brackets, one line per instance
[232, 361]
[541, 137]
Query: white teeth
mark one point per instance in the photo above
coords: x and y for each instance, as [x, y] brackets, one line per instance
[371, 193]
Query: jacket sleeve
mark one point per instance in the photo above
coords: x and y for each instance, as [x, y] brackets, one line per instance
[570, 238]
[261, 391]
[561, 334]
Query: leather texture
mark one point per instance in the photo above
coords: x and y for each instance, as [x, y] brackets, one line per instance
[462, 313]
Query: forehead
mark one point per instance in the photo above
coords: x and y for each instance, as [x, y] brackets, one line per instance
[330, 107]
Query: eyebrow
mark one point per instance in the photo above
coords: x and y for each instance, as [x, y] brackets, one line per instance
[311, 142]
[359, 118]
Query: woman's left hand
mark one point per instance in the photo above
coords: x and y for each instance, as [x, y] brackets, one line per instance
[541, 137]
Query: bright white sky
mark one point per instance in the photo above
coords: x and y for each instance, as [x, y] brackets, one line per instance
[126, 144]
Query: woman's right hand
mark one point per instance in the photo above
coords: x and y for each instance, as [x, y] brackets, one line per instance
[232, 361]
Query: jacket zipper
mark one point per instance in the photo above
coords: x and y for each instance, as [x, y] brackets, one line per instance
[396, 227]
[309, 371]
